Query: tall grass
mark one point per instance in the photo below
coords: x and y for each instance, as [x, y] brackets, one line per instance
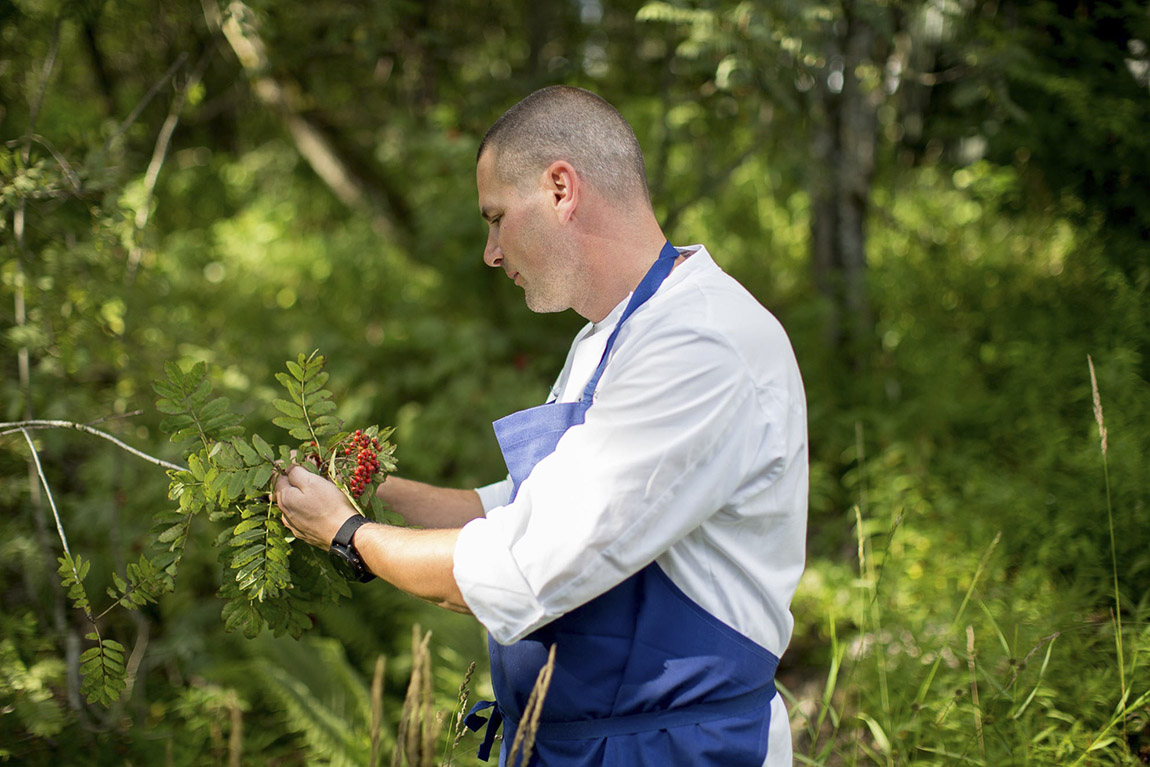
[950, 654]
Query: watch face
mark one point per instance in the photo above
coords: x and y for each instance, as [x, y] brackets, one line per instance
[342, 564]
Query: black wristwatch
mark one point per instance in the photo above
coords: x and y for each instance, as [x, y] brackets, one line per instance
[344, 555]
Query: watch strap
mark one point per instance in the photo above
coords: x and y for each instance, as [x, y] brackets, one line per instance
[347, 530]
[343, 551]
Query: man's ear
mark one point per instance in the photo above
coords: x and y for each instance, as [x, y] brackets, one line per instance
[564, 187]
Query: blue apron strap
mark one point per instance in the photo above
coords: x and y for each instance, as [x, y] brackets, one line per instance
[585, 729]
[647, 287]
[474, 722]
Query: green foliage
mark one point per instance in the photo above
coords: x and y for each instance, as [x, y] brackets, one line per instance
[103, 671]
[230, 478]
[26, 692]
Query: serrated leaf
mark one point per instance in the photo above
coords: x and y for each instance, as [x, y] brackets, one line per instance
[171, 534]
[246, 451]
[290, 409]
[296, 369]
[236, 484]
[227, 432]
[315, 383]
[222, 426]
[172, 423]
[300, 432]
[185, 435]
[175, 375]
[323, 407]
[250, 523]
[229, 460]
[214, 408]
[200, 395]
[295, 389]
[169, 406]
[287, 423]
[248, 554]
[247, 537]
[196, 466]
[261, 475]
[165, 388]
[263, 448]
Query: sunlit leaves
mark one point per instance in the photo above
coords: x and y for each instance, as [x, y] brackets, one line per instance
[192, 412]
[72, 574]
[266, 584]
[308, 415]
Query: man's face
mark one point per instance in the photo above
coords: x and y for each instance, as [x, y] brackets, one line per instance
[523, 238]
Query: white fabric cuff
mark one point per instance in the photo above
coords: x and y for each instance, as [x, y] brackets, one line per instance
[495, 494]
[491, 583]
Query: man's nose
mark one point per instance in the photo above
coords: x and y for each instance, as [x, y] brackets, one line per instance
[492, 254]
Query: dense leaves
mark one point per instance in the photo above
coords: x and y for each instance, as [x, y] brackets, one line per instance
[266, 583]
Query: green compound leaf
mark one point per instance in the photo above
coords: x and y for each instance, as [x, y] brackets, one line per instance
[296, 369]
[290, 409]
[103, 672]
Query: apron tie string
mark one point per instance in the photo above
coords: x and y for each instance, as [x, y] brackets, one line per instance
[475, 722]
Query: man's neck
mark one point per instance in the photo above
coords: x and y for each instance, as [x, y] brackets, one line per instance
[617, 264]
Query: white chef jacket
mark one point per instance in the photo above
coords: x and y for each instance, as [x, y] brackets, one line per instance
[694, 455]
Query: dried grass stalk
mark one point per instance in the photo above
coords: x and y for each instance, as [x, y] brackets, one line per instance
[1097, 404]
[529, 727]
[411, 739]
[377, 708]
[461, 714]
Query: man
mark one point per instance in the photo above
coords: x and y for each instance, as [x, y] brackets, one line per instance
[652, 526]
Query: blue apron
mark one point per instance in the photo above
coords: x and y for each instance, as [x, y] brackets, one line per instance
[643, 674]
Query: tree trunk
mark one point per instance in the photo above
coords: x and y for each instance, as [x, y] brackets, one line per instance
[844, 139]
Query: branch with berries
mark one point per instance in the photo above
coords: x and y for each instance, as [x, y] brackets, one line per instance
[227, 477]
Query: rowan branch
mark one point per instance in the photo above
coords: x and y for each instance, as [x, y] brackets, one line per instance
[51, 500]
[11, 427]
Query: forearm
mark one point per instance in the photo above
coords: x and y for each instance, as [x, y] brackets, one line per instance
[428, 506]
[419, 562]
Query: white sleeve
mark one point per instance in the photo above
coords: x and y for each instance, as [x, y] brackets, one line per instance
[495, 494]
[664, 446]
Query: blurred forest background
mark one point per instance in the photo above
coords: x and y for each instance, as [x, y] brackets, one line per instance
[944, 201]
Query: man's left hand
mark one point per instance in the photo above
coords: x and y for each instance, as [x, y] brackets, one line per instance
[313, 507]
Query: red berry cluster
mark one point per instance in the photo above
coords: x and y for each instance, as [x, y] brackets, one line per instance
[366, 451]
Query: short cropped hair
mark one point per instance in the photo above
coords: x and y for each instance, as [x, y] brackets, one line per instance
[571, 124]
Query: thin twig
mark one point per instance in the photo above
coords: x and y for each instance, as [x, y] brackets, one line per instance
[131, 118]
[51, 500]
[159, 154]
[11, 427]
[38, 102]
[70, 174]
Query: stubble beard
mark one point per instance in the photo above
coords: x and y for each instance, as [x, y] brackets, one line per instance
[557, 288]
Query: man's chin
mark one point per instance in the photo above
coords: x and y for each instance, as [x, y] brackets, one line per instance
[543, 306]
